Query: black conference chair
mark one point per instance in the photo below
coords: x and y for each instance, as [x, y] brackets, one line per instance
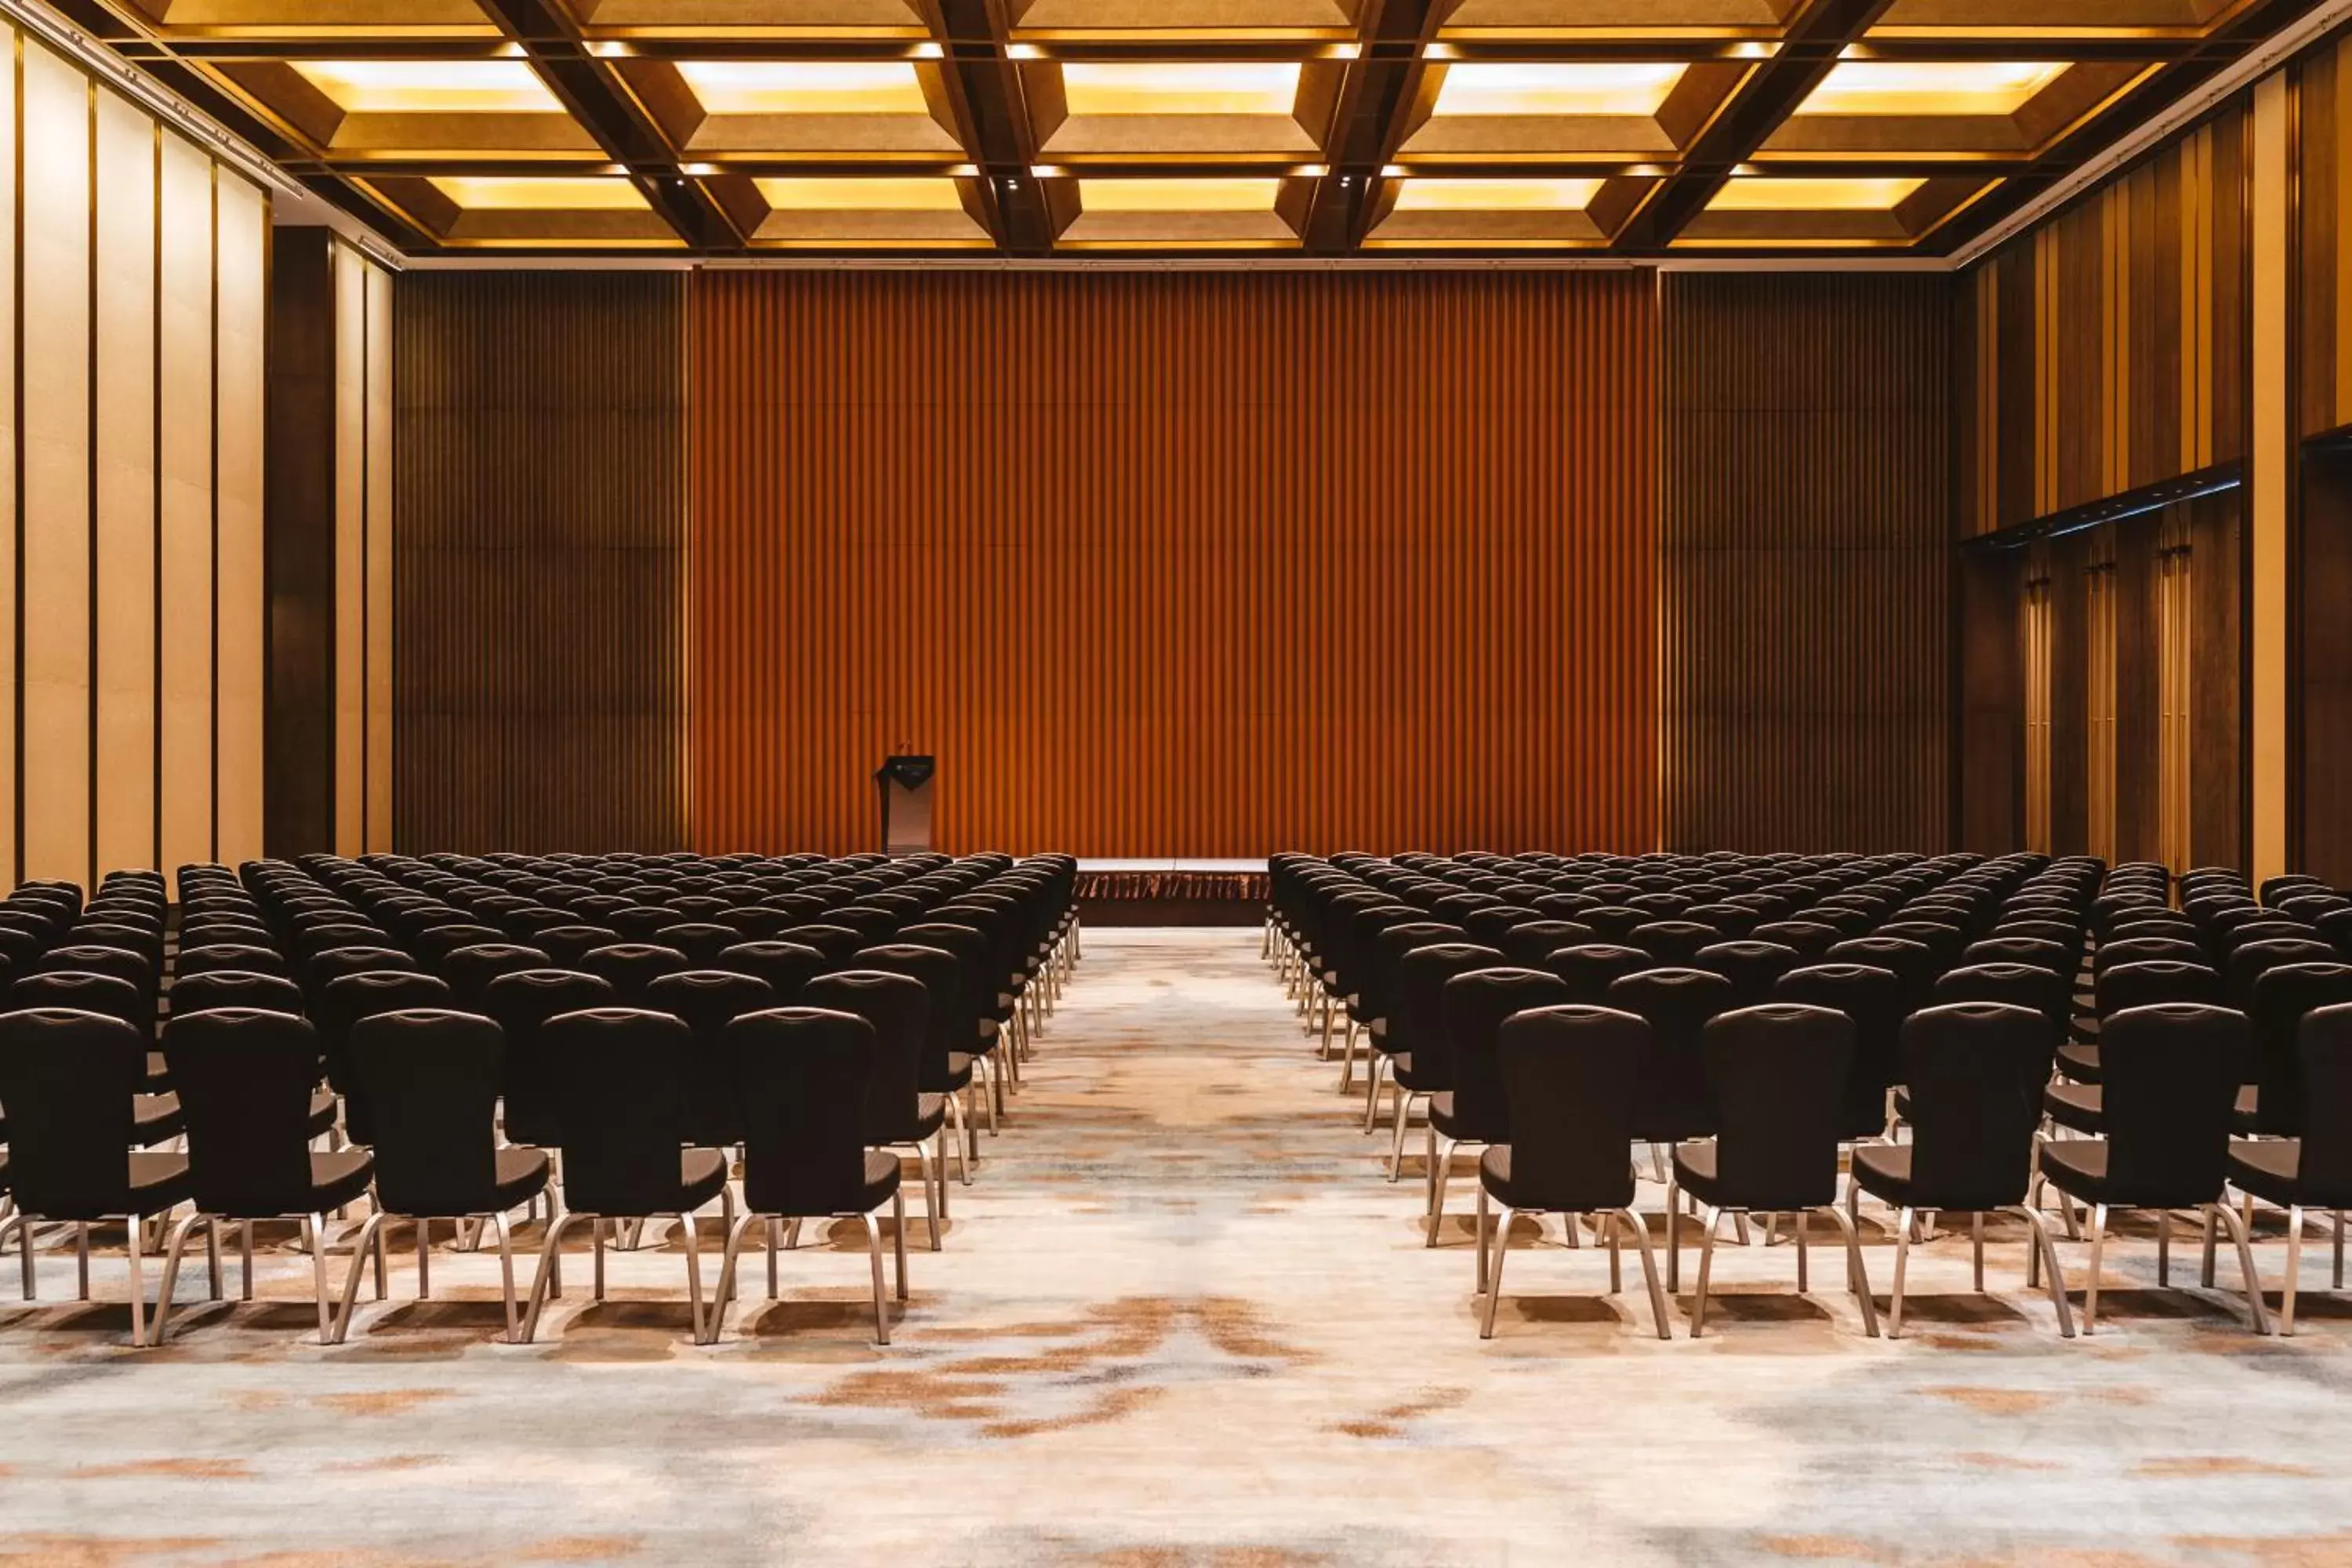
[2168, 1078]
[1572, 1078]
[804, 1072]
[1778, 1073]
[1589, 969]
[245, 1082]
[2311, 1169]
[630, 967]
[1473, 1007]
[69, 1079]
[343, 1002]
[1676, 1102]
[1973, 1074]
[898, 1114]
[621, 1107]
[707, 1001]
[433, 1077]
[1415, 1052]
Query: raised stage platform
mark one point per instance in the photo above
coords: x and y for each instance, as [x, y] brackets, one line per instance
[1173, 892]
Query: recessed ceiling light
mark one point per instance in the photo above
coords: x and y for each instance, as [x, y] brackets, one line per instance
[1922, 88]
[1090, 89]
[1495, 196]
[805, 87]
[1555, 89]
[1242, 196]
[912, 192]
[1784, 196]
[477, 193]
[430, 86]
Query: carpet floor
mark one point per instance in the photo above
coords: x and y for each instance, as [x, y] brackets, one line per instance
[1182, 1318]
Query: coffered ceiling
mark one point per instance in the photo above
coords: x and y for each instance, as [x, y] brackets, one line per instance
[1316, 127]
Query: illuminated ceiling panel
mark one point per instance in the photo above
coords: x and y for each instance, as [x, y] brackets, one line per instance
[1031, 126]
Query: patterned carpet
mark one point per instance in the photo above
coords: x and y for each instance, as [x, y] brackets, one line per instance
[1181, 1318]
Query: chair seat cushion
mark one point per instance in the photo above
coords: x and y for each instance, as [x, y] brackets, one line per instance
[2080, 1062]
[2243, 1117]
[158, 1076]
[1884, 1171]
[522, 1175]
[701, 1173]
[882, 1172]
[1440, 1114]
[3, 1171]
[157, 1182]
[930, 1114]
[1902, 1102]
[1409, 1075]
[339, 1178]
[958, 1070]
[2269, 1168]
[2077, 1166]
[1694, 1173]
[323, 1113]
[2077, 1107]
[156, 1119]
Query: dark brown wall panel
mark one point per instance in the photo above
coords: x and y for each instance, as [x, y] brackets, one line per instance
[1178, 563]
[539, 562]
[1993, 701]
[299, 546]
[1806, 535]
[2326, 576]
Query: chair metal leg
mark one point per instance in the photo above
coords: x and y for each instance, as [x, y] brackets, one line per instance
[314, 1233]
[2205, 1273]
[596, 1249]
[1479, 1227]
[1856, 1271]
[2294, 1270]
[423, 1260]
[1902, 1265]
[2091, 1284]
[1494, 1272]
[547, 1255]
[1616, 1265]
[1976, 1240]
[171, 1248]
[213, 1257]
[1348, 1059]
[364, 1246]
[25, 1253]
[1804, 1283]
[2042, 1248]
[81, 1261]
[1674, 1240]
[505, 1234]
[732, 1250]
[134, 1254]
[2237, 1228]
[898, 1237]
[873, 1250]
[1439, 1161]
[1372, 1070]
[1405, 1098]
[702, 1336]
[1711, 1220]
[1649, 1272]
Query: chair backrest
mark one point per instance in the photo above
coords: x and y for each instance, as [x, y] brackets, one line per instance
[81, 991]
[567, 945]
[2325, 1172]
[244, 957]
[522, 1003]
[2170, 1075]
[802, 1073]
[1572, 1080]
[2248, 964]
[707, 1001]
[899, 1010]
[432, 1079]
[835, 942]
[67, 1078]
[1779, 1075]
[2152, 981]
[1417, 1019]
[1376, 990]
[1975, 1069]
[1752, 967]
[1909, 961]
[1673, 942]
[631, 966]
[244, 1079]
[86, 958]
[2140, 949]
[470, 970]
[786, 967]
[1531, 942]
[948, 988]
[1473, 1006]
[1809, 939]
[2282, 996]
[701, 941]
[1589, 969]
[1877, 1001]
[2020, 984]
[620, 1105]
[215, 988]
[1676, 1102]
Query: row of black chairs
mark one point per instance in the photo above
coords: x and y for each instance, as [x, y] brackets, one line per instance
[311, 962]
[1396, 948]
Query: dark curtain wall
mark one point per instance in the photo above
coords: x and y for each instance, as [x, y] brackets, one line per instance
[1805, 562]
[298, 543]
[540, 685]
[1183, 563]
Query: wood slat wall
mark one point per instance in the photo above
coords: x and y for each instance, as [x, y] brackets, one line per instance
[1177, 564]
[1805, 540]
[2324, 119]
[538, 561]
[2106, 347]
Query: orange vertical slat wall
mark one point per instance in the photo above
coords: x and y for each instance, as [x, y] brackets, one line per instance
[1183, 563]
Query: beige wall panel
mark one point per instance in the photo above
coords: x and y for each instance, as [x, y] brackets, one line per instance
[242, 253]
[186, 451]
[126, 485]
[57, 467]
[7, 462]
[350, 551]
[379, 559]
